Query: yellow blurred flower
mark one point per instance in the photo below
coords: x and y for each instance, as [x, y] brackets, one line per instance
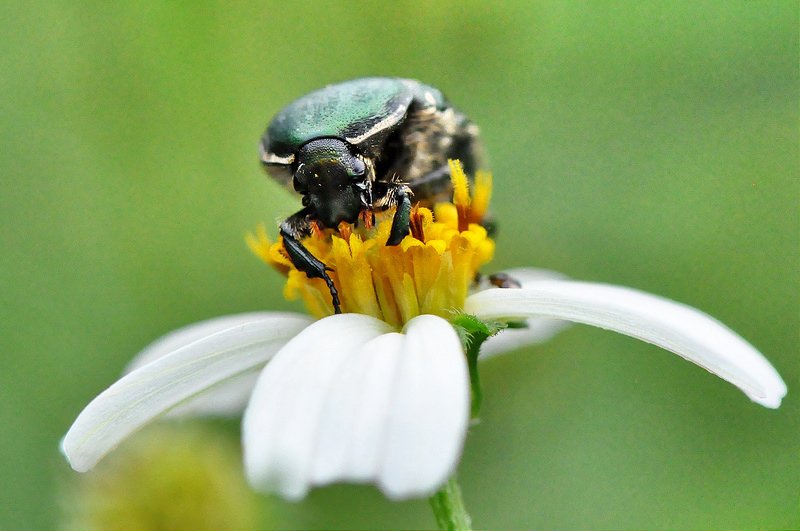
[167, 477]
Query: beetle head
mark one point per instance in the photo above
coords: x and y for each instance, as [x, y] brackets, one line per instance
[331, 179]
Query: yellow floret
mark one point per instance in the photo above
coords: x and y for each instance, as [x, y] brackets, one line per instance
[429, 272]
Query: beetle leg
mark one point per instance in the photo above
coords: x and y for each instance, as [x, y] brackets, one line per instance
[400, 195]
[293, 230]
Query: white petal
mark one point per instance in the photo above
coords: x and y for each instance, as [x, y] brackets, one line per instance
[526, 275]
[156, 387]
[282, 419]
[371, 406]
[226, 399]
[678, 328]
[353, 424]
[229, 398]
[181, 337]
[537, 330]
[429, 417]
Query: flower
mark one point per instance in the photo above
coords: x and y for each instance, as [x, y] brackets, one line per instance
[382, 395]
[430, 272]
[168, 476]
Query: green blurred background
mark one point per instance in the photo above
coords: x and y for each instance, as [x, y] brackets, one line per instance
[653, 145]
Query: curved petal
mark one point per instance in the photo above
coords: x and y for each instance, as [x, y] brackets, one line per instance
[180, 337]
[537, 330]
[282, 419]
[228, 398]
[156, 387]
[372, 406]
[678, 328]
[430, 413]
[353, 424]
[526, 275]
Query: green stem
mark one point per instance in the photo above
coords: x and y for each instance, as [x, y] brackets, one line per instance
[473, 332]
[448, 507]
[473, 350]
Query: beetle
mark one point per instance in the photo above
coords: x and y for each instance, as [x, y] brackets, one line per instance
[364, 146]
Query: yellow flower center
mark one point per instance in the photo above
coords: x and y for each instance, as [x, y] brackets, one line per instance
[429, 272]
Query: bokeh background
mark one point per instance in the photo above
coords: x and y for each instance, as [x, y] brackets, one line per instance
[649, 144]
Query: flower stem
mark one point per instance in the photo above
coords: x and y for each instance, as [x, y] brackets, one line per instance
[448, 507]
[473, 332]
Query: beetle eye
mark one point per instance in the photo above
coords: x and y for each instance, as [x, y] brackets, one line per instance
[358, 167]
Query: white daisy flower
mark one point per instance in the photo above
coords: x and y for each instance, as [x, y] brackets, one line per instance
[382, 393]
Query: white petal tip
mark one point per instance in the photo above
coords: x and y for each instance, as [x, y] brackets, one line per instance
[772, 397]
[686, 331]
[75, 463]
[173, 379]
[769, 403]
[396, 495]
[291, 492]
[78, 467]
[79, 460]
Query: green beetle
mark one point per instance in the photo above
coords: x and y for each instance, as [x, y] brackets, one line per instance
[362, 146]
